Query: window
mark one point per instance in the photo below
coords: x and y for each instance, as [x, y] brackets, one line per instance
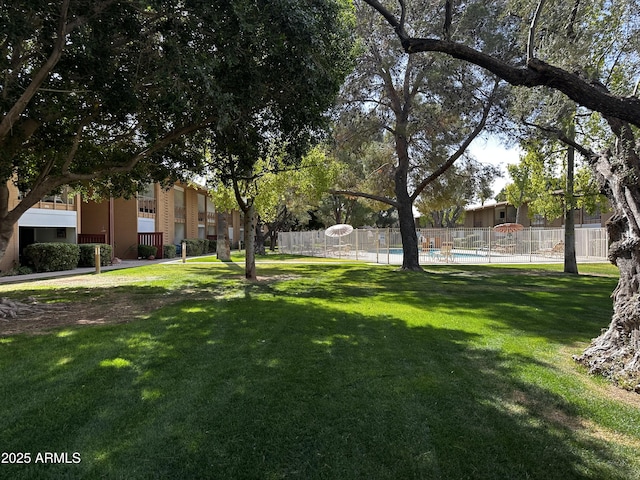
[147, 200]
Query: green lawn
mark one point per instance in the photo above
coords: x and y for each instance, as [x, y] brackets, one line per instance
[321, 371]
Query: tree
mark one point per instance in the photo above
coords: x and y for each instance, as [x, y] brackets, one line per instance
[273, 186]
[298, 56]
[600, 81]
[535, 182]
[287, 196]
[106, 95]
[443, 202]
[367, 163]
[430, 118]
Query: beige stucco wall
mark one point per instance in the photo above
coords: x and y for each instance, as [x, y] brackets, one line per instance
[125, 228]
[95, 218]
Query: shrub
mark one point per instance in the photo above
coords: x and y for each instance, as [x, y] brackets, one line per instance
[146, 251]
[52, 257]
[88, 254]
[213, 245]
[17, 270]
[196, 246]
[169, 251]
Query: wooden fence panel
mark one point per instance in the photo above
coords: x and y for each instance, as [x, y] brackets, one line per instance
[92, 238]
[153, 239]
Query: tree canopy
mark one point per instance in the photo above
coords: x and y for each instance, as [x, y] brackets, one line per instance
[429, 108]
[106, 95]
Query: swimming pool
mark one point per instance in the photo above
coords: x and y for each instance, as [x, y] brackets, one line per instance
[435, 253]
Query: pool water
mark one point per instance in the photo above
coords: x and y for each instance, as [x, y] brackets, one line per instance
[435, 252]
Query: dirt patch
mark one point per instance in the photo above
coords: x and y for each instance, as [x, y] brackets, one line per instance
[104, 309]
[103, 304]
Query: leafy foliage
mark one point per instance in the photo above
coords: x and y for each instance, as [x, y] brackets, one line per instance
[443, 202]
[51, 257]
[131, 87]
[540, 178]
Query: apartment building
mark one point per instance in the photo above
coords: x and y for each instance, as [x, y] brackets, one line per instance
[157, 216]
[503, 212]
[55, 218]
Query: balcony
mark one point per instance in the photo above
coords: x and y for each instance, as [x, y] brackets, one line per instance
[146, 207]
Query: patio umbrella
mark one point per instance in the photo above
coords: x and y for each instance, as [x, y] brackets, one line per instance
[508, 228]
[339, 230]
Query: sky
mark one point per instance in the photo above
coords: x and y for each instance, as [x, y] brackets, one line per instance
[491, 150]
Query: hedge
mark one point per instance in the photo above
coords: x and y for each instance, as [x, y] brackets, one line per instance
[52, 257]
[88, 254]
[169, 251]
[196, 246]
[146, 251]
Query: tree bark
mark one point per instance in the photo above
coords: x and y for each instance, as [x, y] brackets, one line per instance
[250, 241]
[404, 203]
[570, 262]
[6, 232]
[223, 250]
[260, 237]
[615, 354]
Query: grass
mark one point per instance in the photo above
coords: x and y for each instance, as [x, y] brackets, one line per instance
[322, 371]
[270, 257]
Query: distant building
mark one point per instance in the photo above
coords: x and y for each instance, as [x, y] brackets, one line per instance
[156, 216]
[503, 212]
[55, 218]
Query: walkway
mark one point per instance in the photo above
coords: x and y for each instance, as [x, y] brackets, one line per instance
[81, 271]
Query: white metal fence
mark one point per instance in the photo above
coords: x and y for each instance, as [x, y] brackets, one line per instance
[449, 245]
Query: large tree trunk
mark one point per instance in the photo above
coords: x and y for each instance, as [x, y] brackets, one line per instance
[9, 218]
[250, 241]
[6, 232]
[570, 262]
[6, 227]
[410, 260]
[616, 352]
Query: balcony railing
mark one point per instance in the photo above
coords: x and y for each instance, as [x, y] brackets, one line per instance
[180, 213]
[146, 207]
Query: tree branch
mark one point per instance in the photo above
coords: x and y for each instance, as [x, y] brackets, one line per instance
[587, 153]
[463, 147]
[532, 30]
[370, 196]
[40, 76]
[446, 28]
[536, 73]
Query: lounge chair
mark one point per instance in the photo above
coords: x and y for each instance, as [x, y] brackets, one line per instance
[446, 252]
[555, 251]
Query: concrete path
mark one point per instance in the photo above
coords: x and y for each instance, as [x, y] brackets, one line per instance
[82, 271]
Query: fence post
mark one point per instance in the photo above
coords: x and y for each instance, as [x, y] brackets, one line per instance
[325, 245]
[490, 237]
[97, 257]
[184, 252]
[356, 232]
[388, 241]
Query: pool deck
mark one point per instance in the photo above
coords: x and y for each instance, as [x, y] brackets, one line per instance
[435, 257]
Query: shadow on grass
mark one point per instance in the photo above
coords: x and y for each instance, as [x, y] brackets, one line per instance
[564, 309]
[268, 386]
